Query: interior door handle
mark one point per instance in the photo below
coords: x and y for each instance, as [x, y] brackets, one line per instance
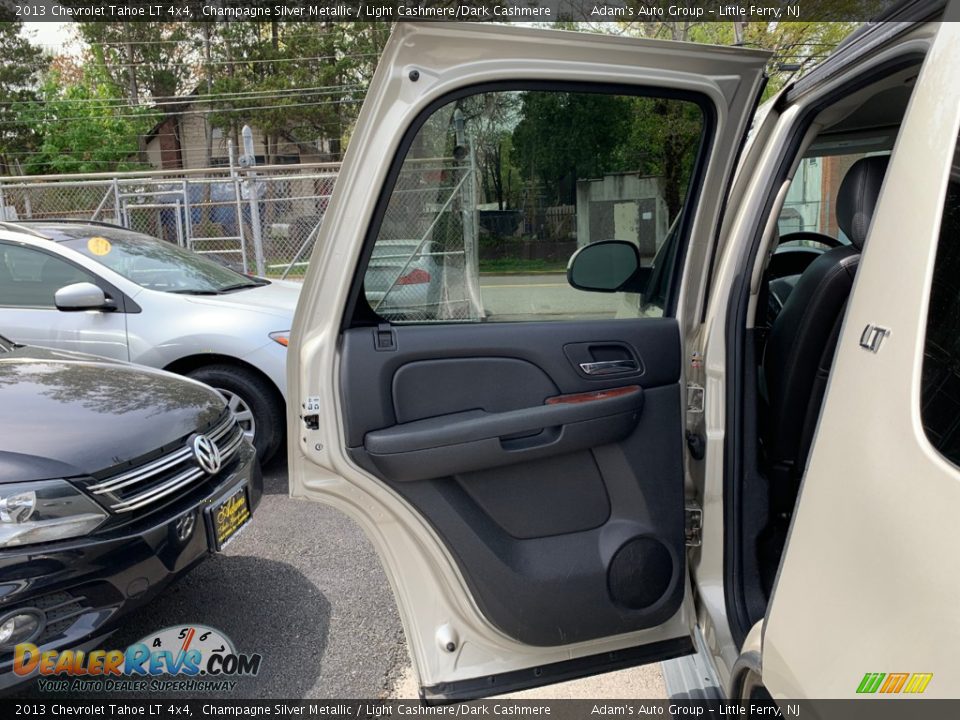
[609, 367]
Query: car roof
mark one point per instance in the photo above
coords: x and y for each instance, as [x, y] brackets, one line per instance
[57, 230]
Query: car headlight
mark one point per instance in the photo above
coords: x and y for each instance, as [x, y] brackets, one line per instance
[35, 512]
[282, 337]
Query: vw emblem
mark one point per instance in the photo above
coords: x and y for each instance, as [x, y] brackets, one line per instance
[207, 454]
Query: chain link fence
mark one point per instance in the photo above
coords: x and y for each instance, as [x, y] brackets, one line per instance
[265, 221]
[261, 221]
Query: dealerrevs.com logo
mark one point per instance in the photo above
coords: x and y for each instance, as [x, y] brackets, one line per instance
[189, 658]
[891, 683]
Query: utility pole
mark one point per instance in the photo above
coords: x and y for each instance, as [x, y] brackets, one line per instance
[248, 161]
[133, 90]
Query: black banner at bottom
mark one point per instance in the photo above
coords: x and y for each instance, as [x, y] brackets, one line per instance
[866, 708]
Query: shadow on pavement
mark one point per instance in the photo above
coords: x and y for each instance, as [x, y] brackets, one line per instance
[263, 606]
[275, 475]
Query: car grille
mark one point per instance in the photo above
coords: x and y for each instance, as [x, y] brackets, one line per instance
[150, 483]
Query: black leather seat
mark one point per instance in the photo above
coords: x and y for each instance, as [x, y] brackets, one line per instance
[800, 348]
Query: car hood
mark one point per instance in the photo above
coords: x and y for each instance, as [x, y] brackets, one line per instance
[279, 299]
[66, 415]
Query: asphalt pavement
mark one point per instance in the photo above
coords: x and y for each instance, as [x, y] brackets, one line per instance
[302, 586]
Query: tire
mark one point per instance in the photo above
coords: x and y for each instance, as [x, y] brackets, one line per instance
[257, 404]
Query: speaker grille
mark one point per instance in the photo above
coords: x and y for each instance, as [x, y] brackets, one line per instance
[639, 573]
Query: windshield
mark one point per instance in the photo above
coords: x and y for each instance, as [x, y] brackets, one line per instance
[155, 264]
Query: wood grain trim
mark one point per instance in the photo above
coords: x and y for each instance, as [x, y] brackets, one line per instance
[592, 396]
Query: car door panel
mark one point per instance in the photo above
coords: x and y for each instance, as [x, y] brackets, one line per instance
[566, 517]
[522, 481]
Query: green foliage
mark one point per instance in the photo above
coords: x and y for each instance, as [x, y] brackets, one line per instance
[294, 81]
[564, 136]
[796, 46]
[20, 65]
[298, 82]
[151, 61]
[81, 126]
[662, 140]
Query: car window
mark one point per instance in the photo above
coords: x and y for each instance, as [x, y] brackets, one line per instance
[498, 189]
[940, 396]
[31, 278]
[155, 264]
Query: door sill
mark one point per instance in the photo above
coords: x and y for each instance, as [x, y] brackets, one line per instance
[475, 688]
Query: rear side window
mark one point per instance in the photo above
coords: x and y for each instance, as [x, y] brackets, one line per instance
[498, 189]
[940, 408]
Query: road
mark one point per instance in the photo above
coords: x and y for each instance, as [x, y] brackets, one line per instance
[545, 296]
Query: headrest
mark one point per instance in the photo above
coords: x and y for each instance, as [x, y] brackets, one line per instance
[858, 196]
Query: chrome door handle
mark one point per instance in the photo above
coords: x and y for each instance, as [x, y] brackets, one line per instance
[609, 367]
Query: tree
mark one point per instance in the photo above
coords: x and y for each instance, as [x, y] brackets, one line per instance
[295, 81]
[83, 123]
[796, 46]
[20, 66]
[153, 63]
[566, 136]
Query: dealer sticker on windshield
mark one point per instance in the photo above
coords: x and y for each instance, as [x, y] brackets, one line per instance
[99, 246]
[229, 516]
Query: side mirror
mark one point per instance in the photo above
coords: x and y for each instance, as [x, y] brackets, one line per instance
[81, 296]
[607, 266]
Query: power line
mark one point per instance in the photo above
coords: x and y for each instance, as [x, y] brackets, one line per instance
[343, 101]
[255, 61]
[196, 39]
[206, 97]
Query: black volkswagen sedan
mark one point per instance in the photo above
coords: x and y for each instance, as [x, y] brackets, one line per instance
[114, 481]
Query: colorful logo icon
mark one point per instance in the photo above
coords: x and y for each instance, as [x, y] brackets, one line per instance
[889, 683]
[191, 650]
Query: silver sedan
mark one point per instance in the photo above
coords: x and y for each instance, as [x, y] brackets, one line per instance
[107, 291]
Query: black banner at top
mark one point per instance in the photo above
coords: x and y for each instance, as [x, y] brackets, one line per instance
[544, 11]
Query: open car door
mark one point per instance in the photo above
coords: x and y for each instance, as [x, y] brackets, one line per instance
[514, 447]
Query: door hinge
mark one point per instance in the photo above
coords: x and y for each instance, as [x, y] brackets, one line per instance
[692, 525]
[694, 398]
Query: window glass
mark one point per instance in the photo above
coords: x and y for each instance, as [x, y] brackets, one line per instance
[30, 278]
[155, 264]
[499, 189]
[940, 397]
